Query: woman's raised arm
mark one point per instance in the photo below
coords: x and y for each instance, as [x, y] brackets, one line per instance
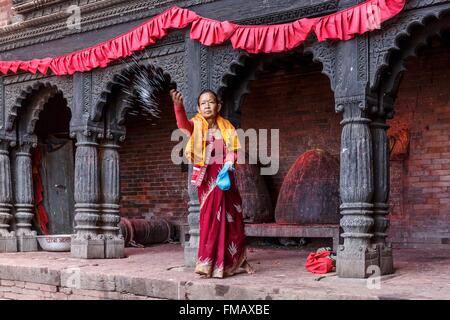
[183, 122]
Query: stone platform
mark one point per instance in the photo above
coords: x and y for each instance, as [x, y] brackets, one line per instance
[158, 273]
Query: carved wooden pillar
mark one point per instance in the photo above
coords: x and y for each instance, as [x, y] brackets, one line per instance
[24, 198]
[87, 242]
[8, 240]
[381, 192]
[110, 191]
[356, 188]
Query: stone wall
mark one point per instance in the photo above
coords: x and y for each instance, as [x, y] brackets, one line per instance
[20, 290]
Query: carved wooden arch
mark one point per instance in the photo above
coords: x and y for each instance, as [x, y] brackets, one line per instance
[113, 89]
[37, 95]
[401, 41]
[247, 68]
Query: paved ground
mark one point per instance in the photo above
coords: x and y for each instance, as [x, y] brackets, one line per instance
[158, 272]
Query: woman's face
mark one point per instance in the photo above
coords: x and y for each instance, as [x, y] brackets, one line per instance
[208, 106]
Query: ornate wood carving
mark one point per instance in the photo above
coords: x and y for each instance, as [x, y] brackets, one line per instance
[384, 42]
[83, 108]
[48, 26]
[18, 92]
[415, 4]
[323, 8]
[326, 54]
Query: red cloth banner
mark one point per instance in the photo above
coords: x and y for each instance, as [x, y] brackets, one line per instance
[342, 25]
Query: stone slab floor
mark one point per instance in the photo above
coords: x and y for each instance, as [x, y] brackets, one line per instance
[157, 272]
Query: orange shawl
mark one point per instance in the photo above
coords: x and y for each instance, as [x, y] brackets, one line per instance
[196, 146]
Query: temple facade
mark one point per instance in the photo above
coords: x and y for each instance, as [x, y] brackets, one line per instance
[379, 103]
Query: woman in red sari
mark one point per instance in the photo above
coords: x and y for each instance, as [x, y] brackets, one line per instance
[213, 144]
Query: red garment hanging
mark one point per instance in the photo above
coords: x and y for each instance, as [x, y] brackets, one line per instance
[39, 190]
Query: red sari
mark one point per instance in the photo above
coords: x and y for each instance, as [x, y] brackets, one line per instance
[222, 235]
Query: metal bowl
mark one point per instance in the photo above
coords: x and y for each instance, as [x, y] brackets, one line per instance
[57, 242]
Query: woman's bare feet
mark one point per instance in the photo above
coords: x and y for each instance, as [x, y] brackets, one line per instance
[248, 268]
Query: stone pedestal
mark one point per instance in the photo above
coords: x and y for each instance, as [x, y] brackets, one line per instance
[386, 260]
[8, 243]
[87, 248]
[191, 247]
[356, 257]
[27, 243]
[114, 248]
[357, 264]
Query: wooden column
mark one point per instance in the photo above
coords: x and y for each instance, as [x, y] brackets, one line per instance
[110, 195]
[24, 198]
[381, 189]
[87, 242]
[356, 188]
[8, 240]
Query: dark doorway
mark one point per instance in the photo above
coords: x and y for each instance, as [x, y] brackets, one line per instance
[56, 166]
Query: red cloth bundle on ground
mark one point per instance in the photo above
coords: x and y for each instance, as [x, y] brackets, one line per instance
[319, 262]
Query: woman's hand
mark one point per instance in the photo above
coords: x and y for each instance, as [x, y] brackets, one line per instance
[177, 97]
[230, 165]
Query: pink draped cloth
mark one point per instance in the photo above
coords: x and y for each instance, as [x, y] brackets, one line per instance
[342, 25]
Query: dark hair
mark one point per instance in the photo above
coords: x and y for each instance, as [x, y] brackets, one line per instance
[208, 91]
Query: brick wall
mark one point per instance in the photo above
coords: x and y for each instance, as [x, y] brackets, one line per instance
[420, 196]
[303, 113]
[150, 182]
[5, 12]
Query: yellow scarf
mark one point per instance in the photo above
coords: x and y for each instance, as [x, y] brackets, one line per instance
[196, 146]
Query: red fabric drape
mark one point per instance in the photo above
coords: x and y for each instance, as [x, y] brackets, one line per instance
[42, 216]
[276, 38]
[124, 45]
[342, 25]
[210, 32]
[367, 16]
